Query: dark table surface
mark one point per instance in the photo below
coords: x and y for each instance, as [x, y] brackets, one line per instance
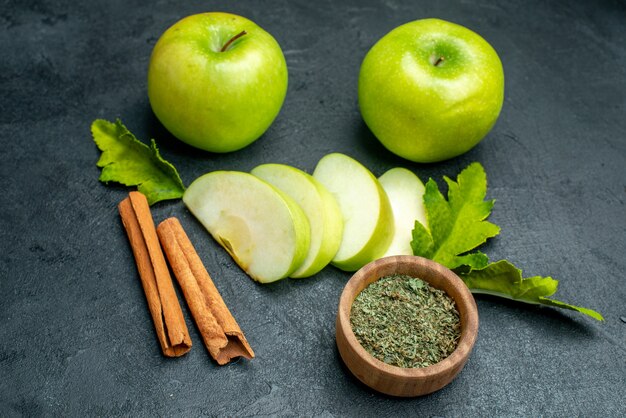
[76, 337]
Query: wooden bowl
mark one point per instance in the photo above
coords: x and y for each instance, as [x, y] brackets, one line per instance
[394, 380]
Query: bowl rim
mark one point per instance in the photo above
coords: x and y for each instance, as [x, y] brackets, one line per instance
[463, 298]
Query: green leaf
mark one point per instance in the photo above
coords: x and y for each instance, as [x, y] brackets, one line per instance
[457, 225]
[422, 242]
[503, 279]
[130, 162]
[471, 261]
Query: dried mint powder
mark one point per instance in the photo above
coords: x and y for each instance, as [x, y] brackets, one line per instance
[405, 322]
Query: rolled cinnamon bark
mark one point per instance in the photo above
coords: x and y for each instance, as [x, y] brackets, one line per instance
[220, 332]
[155, 278]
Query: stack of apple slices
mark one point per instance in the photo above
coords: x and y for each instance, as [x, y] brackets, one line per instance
[278, 221]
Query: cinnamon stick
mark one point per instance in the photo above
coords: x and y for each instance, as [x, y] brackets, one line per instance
[219, 330]
[155, 277]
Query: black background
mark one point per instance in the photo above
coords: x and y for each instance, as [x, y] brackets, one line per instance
[76, 336]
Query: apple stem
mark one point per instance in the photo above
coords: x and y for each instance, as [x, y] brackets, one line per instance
[439, 61]
[233, 39]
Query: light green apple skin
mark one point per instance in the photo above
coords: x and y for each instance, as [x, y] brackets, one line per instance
[356, 190]
[318, 205]
[261, 227]
[425, 112]
[406, 195]
[212, 100]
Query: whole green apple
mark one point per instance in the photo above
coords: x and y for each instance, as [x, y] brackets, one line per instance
[430, 90]
[217, 81]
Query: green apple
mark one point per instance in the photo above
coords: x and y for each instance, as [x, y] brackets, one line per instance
[430, 90]
[262, 228]
[217, 81]
[365, 208]
[406, 195]
[320, 208]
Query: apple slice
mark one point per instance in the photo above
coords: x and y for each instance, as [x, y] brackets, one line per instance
[262, 228]
[320, 208]
[367, 214]
[406, 195]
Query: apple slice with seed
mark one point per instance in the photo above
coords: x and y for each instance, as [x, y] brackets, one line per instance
[320, 208]
[367, 215]
[263, 229]
[406, 195]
